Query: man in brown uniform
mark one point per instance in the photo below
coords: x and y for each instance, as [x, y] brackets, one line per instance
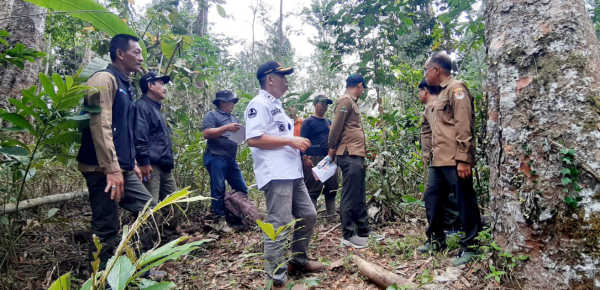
[347, 144]
[428, 95]
[452, 157]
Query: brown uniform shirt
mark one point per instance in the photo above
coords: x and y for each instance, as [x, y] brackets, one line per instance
[426, 120]
[453, 126]
[100, 123]
[346, 128]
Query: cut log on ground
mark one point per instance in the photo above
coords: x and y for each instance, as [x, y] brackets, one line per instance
[30, 203]
[379, 275]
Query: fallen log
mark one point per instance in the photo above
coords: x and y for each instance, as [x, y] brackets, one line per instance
[34, 202]
[379, 275]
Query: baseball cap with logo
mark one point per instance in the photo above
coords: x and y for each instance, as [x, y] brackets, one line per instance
[150, 77]
[272, 67]
[322, 99]
[355, 79]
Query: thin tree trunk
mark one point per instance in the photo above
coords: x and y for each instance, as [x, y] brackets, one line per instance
[544, 87]
[281, 30]
[202, 18]
[35, 202]
[28, 30]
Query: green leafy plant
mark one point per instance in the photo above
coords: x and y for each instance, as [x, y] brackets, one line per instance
[18, 54]
[124, 268]
[48, 118]
[92, 12]
[495, 274]
[570, 178]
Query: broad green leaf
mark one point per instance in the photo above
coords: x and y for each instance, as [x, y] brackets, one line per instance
[49, 89]
[565, 171]
[95, 65]
[9, 142]
[4, 220]
[421, 188]
[192, 199]
[120, 273]
[87, 285]
[221, 11]
[30, 95]
[58, 82]
[25, 108]
[104, 20]
[64, 138]
[168, 49]
[19, 121]
[72, 124]
[267, 229]
[393, 287]
[15, 128]
[63, 283]
[172, 198]
[70, 103]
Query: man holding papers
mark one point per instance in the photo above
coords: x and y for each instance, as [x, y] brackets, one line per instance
[316, 129]
[347, 146]
[220, 156]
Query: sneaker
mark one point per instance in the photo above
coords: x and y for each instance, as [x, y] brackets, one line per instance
[463, 258]
[356, 242]
[310, 267]
[429, 247]
[375, 235]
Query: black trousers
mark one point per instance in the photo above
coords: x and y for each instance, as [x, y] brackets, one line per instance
[353, 206]
[442, 181]
[105, 212]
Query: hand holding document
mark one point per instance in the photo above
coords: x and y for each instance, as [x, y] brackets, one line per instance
[239, 136]
[325, 172]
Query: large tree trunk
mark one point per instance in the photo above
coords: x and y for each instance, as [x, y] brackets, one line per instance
[544, 90]
[28, 28]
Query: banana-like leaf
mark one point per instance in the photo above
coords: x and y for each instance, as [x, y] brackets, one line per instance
[63, 283]
[95, 65]
[160, 286]
[94, 13]
[268, 229]
[120, 273]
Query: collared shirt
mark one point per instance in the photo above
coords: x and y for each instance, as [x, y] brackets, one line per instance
[346, 129]
[453, 126]
[265, 116]
[221, 146]
[152, 135]
[101, 123]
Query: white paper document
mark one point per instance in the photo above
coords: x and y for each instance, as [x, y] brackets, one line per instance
[239, 136]
[325, 173]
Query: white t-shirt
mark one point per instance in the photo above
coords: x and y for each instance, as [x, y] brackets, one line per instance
[265, 115]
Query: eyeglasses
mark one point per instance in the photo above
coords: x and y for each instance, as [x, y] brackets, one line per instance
[427, 68]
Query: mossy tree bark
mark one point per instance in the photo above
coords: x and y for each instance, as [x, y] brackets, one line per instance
[544, 87]
[26, 24]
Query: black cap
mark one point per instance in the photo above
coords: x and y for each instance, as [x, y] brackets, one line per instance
[272, 67]
[150, 77]
[355, 79]
[322, 99]
[225, 96]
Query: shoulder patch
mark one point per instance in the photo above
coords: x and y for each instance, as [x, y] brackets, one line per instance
[343, 109]
[252, 113]
[459, 95]
[275, 112]
[457, 89]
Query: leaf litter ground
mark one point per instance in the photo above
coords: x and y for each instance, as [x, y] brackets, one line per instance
[234, 260]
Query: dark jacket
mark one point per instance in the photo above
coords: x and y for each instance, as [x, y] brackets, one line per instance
[152, 135]
[122, 125]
